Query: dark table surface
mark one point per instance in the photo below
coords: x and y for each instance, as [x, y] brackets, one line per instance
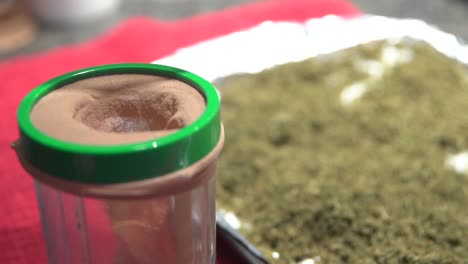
[449, 15]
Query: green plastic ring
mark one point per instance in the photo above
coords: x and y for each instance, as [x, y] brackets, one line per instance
[119, 163]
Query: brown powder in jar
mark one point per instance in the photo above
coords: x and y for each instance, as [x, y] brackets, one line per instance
[117, 109]
[120, 109]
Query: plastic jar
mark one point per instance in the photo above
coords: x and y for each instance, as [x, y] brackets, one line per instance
[146, 202]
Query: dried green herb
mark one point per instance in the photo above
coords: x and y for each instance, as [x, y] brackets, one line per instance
[313, 175]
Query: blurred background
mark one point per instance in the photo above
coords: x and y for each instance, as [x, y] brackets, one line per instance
[31, 26]
[38, 26]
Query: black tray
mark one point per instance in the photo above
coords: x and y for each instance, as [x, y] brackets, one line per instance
[236, 243]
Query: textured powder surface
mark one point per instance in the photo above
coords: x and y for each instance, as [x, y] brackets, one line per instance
[117, 109]
[316, 175]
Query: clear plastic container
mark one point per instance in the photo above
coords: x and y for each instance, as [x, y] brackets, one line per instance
[151, 202]
[177, 228]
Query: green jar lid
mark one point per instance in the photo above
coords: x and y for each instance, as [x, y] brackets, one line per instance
[119, 163]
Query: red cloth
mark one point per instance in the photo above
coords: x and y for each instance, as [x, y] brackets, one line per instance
[136, 40]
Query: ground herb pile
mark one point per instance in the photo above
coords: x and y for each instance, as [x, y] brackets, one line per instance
[315, 175]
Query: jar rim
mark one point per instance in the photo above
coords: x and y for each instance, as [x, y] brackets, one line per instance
[104, 164]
